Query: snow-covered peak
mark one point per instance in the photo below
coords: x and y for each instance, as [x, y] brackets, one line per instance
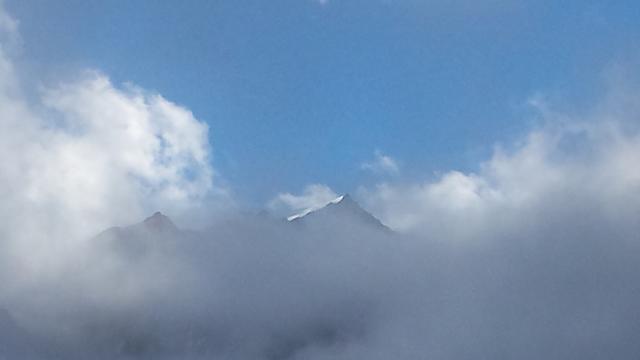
[312, 209]
[341, 209]
[337, 200]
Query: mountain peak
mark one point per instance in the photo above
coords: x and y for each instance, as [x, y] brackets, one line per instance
[159, 222]
[343, 207]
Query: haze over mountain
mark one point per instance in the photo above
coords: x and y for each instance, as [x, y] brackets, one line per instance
[214, 273]
[340, 218]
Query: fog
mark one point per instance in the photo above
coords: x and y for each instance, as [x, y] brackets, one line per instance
[536, 254]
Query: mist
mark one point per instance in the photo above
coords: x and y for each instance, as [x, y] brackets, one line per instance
[535, 254]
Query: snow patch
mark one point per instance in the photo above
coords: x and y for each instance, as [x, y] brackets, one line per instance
[312, 209]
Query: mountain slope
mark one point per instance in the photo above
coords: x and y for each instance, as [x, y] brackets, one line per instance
[343, 210]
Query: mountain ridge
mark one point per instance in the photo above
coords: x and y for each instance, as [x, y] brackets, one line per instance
[342, 208]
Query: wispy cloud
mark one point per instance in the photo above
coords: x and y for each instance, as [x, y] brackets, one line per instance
[382, 164]
[313, 196]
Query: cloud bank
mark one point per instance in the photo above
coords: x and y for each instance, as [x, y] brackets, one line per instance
[86, 154]
[569, 166]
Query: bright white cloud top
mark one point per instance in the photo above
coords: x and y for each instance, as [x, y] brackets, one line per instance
[86, 154]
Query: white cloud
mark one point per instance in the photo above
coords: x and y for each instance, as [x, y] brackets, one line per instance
[313, 196]
[88, 154]
[96, 145]
[8, 25]
[596, 158]
[382, 164]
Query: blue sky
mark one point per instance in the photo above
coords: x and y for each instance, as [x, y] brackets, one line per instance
[300, 92]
